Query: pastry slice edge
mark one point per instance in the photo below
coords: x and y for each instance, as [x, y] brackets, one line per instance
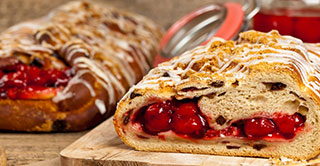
[254, 97]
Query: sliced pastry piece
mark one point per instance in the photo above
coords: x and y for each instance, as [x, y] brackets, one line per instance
[257, 96]
[66, 71]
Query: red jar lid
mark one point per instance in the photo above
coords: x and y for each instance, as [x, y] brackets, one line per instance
[199, 26]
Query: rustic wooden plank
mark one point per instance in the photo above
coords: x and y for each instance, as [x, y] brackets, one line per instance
[102, 146]
[25, 148]
[2, 156]
[51, 162]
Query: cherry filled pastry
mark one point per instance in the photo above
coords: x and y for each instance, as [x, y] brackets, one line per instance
[257, 96]
[186, 121]
[21, 81]
[67, 70]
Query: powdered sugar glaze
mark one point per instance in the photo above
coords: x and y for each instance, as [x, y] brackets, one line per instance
[113, 46]
[231, 60]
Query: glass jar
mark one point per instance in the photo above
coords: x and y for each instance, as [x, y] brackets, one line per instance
[298, 18]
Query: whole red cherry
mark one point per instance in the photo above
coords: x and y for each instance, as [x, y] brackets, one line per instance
[258, 127]
[157, 117]
[187, 120]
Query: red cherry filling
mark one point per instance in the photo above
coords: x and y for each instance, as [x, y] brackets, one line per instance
[32, 92]
[185, 119]
[229, 131]
[258, 127]
[286, 124]
[30, 82]
[158, 117]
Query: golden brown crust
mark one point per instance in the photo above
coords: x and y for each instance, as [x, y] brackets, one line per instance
[262, 57]
[45, 115]
[108, 50]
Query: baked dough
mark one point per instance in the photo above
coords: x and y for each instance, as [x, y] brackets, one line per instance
[257, 96]
[105, 50]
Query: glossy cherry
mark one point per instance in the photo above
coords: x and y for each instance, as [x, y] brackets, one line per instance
[157, 117]
[299, 120]
[186, 120]
[285, 123]
[258, 127]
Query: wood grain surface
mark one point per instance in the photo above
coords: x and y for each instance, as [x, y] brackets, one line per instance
[2, 156]
[24, 148]
[102, 146]
[50, 162]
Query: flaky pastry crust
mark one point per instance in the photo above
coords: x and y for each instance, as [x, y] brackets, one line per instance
[108, 50]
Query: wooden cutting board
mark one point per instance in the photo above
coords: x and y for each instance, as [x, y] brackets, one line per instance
[102, 146]
[2, 156]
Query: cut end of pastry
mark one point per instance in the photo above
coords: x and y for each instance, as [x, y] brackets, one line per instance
[254, 97]
[31, 82]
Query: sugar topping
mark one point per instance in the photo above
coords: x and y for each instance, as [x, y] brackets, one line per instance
[232, 60]
[114, 46]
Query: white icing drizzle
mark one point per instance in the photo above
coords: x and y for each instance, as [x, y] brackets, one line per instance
[105, 75]
[83, 27]
[232, 60]
[65, 94]
[91, 90]
[62, 96]
[101, 106]
[75, 50]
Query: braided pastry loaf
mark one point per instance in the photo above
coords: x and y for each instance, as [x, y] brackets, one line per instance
[258, 96]
[66, 71]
